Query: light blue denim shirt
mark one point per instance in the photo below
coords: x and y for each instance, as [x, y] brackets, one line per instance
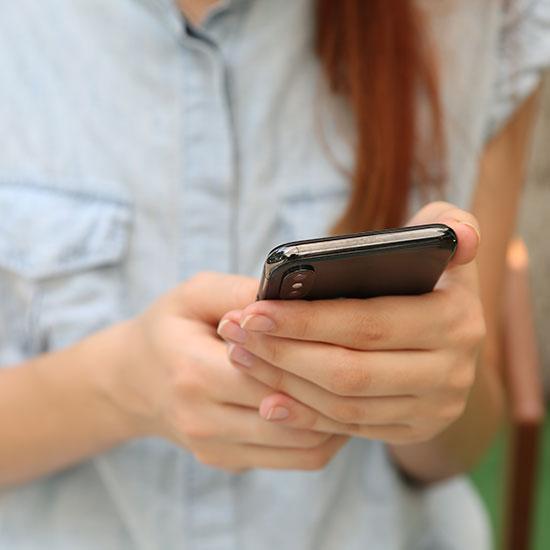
[137, 152]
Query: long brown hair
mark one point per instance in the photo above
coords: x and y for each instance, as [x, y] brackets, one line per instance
[375, 54]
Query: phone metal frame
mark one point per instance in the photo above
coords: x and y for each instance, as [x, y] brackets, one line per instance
[347, 244]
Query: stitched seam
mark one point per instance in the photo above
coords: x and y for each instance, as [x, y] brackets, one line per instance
[79, 194]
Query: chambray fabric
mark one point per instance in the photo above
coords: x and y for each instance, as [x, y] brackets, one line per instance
[138, 151]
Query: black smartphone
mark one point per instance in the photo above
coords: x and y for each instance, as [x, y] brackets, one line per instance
[408, 260]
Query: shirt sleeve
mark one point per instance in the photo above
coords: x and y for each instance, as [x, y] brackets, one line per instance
[523, 53]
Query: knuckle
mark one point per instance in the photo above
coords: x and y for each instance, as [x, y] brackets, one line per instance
[188, 382]
[279, 379]
[193, 281]
[354, 429]
[412, 436]
[203, 458]
[476, 325]
[207, 277]
[457, 305]
[307, 420]
[369, 328]
[186, 385]
[197, 432]
[192, 287]
[188, 288]
[213, 460]
[314, 460]
[447, 308]
[273, 350]
[242, 291]
[465, 320]
[311, 440]
[345, 412]
[473, 326]
[413, 433]
[452, 411]
[198, 280]
[348, 378]
[204, 454]
[461, 379]
[302, 327]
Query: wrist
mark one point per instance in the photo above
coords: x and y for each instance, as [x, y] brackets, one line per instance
[104, 361]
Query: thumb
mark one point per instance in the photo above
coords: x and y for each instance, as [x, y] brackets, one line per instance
[464, 224]
[208, 296]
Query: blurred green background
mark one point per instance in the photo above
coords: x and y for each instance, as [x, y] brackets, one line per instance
[490, 477]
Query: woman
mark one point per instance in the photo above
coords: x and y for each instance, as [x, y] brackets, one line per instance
[144, 148]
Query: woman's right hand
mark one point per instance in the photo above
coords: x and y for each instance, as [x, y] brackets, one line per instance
[176, 382]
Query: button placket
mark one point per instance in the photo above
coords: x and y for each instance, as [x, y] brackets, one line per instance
[209, 162]
[209, 186]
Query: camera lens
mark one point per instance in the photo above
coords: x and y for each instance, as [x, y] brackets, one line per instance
[297, 283]
[299, 276]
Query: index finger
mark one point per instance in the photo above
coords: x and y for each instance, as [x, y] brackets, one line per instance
[384, 323]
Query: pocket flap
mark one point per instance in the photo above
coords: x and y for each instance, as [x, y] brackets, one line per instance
[45, 232]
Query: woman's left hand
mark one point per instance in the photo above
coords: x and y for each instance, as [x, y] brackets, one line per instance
[397, 369]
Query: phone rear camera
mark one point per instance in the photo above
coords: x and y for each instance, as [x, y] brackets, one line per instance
[297, 283]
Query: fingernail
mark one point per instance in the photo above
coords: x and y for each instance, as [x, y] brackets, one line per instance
[258, 323]
[277, 413]
[475, 229]
[241, 356]
[232, 331]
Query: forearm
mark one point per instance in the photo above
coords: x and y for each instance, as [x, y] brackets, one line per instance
[55, 410]
[460, 446]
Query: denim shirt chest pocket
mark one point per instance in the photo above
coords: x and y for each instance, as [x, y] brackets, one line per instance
[61, 253]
